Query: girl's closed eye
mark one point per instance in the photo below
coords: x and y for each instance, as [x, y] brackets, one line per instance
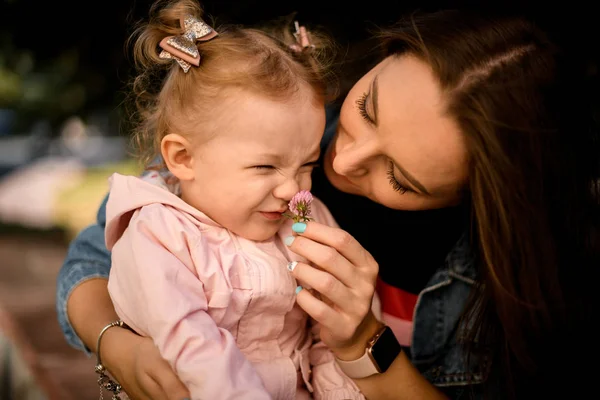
[263, 167]
[310, 166]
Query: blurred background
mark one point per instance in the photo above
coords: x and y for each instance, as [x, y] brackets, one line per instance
[63, 69]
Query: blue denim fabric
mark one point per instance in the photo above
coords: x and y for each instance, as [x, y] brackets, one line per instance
[435, 348]
[87, 258]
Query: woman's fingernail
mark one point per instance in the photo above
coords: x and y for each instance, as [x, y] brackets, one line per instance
[299, 227]
[298, 289]
[289, 240]
[292, 265]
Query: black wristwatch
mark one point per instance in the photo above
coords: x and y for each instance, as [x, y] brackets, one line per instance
[381, 351]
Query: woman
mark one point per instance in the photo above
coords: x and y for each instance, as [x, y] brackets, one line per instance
[470, 150]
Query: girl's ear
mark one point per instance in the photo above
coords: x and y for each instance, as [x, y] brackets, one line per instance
[177, 155]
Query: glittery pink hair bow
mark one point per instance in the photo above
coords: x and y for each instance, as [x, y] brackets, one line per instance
[182, 48]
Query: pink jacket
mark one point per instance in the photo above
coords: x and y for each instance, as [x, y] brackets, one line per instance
[220, 308]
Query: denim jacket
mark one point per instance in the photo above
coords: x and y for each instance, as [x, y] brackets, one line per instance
[435, 347]
[435, 350]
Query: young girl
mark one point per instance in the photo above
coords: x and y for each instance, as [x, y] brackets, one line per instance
[237, 121]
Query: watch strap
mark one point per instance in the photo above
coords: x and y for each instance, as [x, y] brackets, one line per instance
[365, 365]
[360, 368]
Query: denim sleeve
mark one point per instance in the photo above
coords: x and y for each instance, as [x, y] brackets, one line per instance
[87, 258]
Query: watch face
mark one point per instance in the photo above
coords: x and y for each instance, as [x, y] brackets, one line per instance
[386, 349]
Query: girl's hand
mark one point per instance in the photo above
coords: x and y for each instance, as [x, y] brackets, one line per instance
[136, 364]
[344, 274]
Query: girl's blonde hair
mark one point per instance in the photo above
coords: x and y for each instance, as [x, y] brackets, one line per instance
[166, 99]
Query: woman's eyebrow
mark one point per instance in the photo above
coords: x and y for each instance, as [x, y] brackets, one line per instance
[375, 100]
[413, 181]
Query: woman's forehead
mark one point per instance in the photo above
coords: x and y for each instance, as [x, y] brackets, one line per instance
[414, 125]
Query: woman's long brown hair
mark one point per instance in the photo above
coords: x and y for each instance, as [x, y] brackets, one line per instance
[520, 103]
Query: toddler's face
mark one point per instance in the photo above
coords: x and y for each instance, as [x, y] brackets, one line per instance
[262, 153]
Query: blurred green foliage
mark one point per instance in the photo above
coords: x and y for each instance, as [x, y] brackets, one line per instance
[50, 89]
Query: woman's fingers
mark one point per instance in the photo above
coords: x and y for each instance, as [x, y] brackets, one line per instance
[168, 383]
[361, 280]
[342, 272]
[323, 282]
[336, 238]
[141, 370]
[150, 388]
[337, 330]
[327, 258]
[344, 299]
[158, 387]
[319, 310]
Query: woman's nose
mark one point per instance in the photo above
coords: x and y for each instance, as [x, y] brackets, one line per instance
[353, 159]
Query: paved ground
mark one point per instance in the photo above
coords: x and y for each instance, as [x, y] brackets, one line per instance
[28, 268]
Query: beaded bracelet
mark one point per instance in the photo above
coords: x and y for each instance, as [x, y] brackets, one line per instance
[104, 381]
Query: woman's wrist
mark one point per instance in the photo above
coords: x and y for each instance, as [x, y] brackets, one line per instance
[356, 349]
[105, 381]
[115, 343]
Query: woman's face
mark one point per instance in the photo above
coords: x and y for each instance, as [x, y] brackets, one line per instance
[394, 144]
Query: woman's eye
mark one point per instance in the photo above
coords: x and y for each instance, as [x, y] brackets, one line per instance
[361, 104]
[397, 186]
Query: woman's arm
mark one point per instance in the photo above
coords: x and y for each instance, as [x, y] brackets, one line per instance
[401, 381]
[345, 278]
[87, 259]
[90, 309]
